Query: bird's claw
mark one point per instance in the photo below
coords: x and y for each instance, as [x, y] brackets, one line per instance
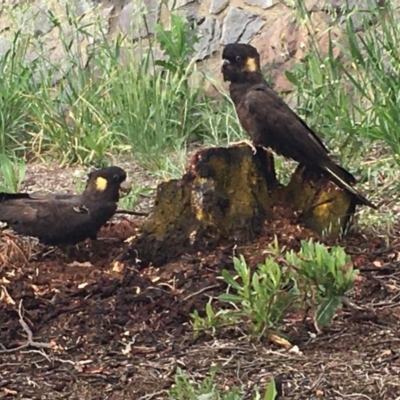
[247, 142]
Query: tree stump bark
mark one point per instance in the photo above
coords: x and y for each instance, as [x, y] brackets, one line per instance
[229, 194]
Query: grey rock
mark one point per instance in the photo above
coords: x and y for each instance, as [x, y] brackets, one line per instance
[234, 25]
[74, 8]
[4, 46]
[82, 6]
[356, 9]
[240, 26]
[118, 3]
[192, 14]
[260, 3]
[349, 4]
[104, 16]
[174, 4]
[216, 6]
[252, 28]
[125, 18]
[131, 18]
[337, 11]
[34, 20]
[42, 22]
[209, 33]
[319, 5]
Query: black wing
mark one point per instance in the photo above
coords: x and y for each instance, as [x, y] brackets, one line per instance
[271, 122]
[56, 221]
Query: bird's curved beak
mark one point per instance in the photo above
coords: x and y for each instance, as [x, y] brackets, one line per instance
[125, 188]
[225, 64]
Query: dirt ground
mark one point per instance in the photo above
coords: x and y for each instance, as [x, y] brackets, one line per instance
[103, 327]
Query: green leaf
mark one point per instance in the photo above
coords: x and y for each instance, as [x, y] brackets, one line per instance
[12, 172]
[271, 392]
[166, 65]
[327, 309]
[209, 311]
[256, 282]
[229, 280]
[291, 77]
[230, 298]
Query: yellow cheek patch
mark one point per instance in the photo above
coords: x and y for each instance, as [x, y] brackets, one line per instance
[101, 184]
[251, 65]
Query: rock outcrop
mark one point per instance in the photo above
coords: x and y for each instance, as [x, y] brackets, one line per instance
[272, 26]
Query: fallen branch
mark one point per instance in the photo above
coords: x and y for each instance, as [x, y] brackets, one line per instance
[30, 341]
[200, 291]
[131, 212]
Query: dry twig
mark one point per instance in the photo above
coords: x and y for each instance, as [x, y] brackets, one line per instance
[30, 341]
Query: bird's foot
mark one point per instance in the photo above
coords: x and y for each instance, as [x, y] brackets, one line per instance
[245, 141]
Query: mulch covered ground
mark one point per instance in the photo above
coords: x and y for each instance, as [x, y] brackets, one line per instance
[107, 328]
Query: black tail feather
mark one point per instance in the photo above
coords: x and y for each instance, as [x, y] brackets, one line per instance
[345, 179]
[13, 196]
[345, 175]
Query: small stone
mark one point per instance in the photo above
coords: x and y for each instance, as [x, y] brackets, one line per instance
[240, 26]
[260, 3]
[216, 6]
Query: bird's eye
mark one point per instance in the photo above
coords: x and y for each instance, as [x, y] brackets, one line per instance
[116, 178]
[238, 58]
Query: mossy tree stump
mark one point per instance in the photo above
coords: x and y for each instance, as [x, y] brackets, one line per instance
[228, 194]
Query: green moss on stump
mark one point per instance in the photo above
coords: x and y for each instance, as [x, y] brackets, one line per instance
[324, 207]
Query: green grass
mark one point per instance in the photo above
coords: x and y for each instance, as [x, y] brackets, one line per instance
[132, 102]
[352, 101]
[142, 105]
